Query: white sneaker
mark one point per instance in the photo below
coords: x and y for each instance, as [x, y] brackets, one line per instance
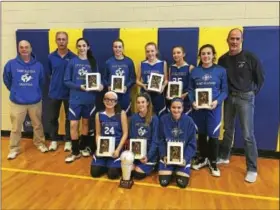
[53, 146]
[43, 148]
[71, 158]
[200, 163]
[222, 161]
[85, 152]
[12, 155]
[68, 146]
[214, 169]
[251, 176]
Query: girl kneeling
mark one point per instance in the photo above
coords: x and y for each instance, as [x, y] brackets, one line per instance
[178, 127]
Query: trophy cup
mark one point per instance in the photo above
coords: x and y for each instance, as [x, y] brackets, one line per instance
[127, 158]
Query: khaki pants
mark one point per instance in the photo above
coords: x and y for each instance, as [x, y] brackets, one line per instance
[18, 114]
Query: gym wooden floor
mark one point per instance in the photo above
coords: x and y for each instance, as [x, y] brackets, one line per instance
[43, 181]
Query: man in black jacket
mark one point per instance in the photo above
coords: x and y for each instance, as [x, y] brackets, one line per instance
[245, 79]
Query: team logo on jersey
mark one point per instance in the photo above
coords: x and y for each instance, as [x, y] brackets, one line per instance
[26, 77]
[206, 77]
[82, 71]
[176, 132]
[28, 123]
[119, 72]
[241, 64]
[142, 131]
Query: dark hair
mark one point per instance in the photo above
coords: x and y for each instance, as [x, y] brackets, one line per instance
[90, 57]
[213, 51]
[149, 115]
[121, 41]
[181, 47]
[155, 45]
[177, 99]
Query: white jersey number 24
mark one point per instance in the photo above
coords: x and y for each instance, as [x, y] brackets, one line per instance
[109, 131]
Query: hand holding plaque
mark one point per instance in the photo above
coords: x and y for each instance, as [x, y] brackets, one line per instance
[105, 146]
[117, 84]
[175, 154]
[93, 81]
[203, 98]
[174, 89]
[155, 82]
[138, 147]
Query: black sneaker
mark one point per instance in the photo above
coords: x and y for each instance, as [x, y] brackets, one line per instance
[214, 169]
[200, 163]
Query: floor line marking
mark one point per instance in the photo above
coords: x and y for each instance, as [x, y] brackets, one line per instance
[142, 184]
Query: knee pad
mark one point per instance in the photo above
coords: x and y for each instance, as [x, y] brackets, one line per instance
[113, 173]
[164, 180]
[182, 181]
[97, 171]
[138, 175]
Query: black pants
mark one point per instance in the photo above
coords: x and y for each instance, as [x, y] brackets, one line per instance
[54, 108]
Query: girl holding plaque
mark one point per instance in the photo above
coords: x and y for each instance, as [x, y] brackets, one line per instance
[153, 65]
[121, 65]
[109, 123]
[208, 75]
[178, 129]
[179, 72]
[81, 102]
[144, 125]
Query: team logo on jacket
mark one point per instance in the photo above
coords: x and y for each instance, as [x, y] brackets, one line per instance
[206, 77]
[82, 71]
[119, 72]
[142, 131]
[176, 132]
[26, 77]
[241, 64]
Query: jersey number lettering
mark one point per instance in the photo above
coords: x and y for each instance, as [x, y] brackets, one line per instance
[177, 79]
[109, 131]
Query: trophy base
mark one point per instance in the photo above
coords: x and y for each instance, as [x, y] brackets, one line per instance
[127, 184]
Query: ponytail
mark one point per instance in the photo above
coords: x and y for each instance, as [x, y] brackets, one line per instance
[92, 60]
[90, 57]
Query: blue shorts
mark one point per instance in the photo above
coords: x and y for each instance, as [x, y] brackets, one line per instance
[185, 169]
[208, 121]
[106, 162]
[147, 168]
[76, 111]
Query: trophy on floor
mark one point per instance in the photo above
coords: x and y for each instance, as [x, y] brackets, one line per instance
[127, 158]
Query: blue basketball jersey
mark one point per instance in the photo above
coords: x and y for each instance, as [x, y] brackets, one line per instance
[180, 73]
[182, 130]
[124, 67]
[147, 69]
[214, 77]
[111, 126]
[139, 129]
